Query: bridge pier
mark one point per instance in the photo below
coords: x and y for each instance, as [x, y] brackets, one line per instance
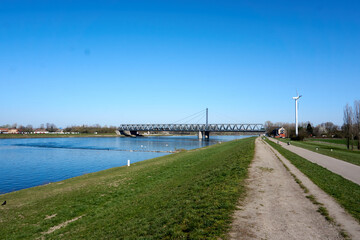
[203, 134]
[207, 135]
[135, 133]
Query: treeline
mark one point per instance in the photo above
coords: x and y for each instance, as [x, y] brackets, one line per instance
[351, 127]
[91, 129]
[307, 129]
[50, 127]
[349, 130]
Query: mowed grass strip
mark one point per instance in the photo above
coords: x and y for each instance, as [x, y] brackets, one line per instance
[332, 150]
[341, 141]
[342, 190]
[187, 195]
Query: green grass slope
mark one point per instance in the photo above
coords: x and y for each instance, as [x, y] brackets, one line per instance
[189, 195]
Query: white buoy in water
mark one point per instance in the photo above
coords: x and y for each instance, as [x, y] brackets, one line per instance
[141, 145]
[128, 162]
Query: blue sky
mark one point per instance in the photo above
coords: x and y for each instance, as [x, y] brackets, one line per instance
[113, 62]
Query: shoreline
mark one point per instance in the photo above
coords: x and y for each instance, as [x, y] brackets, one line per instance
[24, 136]
[170, 187]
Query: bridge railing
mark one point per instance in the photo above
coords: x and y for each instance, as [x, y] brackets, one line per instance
[226, 127]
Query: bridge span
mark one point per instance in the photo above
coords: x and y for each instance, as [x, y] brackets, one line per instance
[202, 129]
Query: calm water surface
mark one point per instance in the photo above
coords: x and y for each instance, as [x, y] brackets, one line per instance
[27, 163]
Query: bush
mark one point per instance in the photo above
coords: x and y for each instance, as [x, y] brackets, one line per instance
[300, 137]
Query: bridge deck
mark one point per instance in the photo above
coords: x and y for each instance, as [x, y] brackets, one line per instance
[194, 127]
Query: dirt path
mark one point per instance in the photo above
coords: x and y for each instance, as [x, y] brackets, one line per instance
[276, 207]
[345, 169]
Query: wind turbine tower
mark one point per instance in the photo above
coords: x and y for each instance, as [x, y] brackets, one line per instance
[296, 113]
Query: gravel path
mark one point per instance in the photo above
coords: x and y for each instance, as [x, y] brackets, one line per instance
[276, 207]
[345, 169]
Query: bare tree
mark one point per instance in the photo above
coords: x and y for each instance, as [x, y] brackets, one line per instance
[357, 122]
[348, 117]
[330, 128]
[29, 128]
[51, 127]
[269, 127]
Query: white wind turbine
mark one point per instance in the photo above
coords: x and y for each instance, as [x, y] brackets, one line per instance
[296, 113]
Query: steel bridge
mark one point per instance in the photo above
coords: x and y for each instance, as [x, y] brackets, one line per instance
[225, 127]
[202, 129]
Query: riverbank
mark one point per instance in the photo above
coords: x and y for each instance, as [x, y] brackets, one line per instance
[190, 194]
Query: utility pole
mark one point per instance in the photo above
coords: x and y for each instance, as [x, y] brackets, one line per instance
[296, 114]
[207, 118]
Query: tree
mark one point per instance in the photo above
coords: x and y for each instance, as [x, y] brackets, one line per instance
[348, 117]
[51, 127]
[330, 128]
[309, 129]
[269, 127]
[357, 122]
[29, 128]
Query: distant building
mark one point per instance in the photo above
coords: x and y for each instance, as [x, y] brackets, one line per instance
[13, 131]
[4, 130]
[279, 133]
[40, 131]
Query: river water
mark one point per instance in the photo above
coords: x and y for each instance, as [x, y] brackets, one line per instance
[31, 162]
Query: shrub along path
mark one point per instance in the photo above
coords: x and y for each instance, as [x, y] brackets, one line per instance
[344, 169]
[189, 195]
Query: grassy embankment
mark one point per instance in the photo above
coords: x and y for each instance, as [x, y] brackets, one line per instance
[189, 195]
[342, 190]
[339, 151]
[10, 136]
[341, 141]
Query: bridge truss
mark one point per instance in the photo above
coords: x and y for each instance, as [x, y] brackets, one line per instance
[194, 127]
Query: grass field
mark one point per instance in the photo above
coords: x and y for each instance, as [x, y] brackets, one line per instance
[338, 151]
[187, 195]
[342, 190]
[341, 141]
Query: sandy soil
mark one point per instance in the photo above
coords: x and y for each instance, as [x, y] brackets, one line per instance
[276, 207]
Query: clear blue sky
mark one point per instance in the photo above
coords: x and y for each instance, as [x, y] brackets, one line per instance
[113, 62]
